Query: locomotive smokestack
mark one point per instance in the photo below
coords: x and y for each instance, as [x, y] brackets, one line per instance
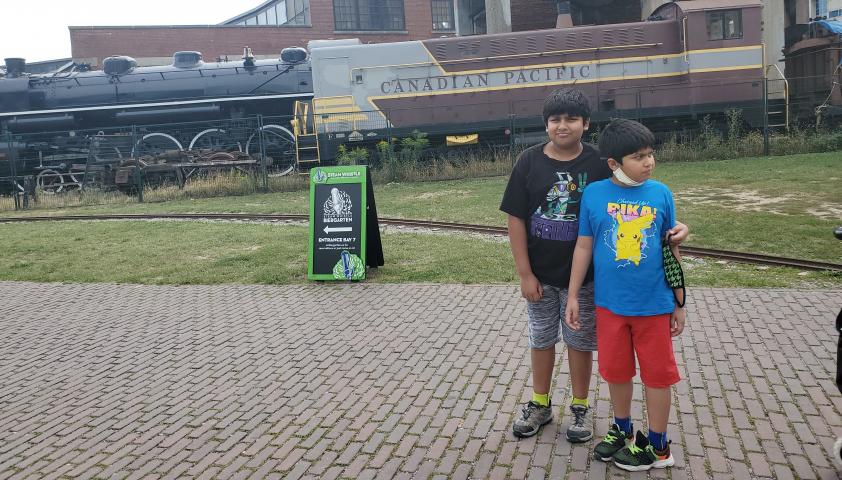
[15, 67]
[248, 57]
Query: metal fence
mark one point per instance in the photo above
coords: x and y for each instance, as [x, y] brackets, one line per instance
[95, 166]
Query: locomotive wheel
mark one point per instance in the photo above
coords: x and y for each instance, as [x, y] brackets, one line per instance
[107, 155]
[215, 139]
[123, 175]
[837, 452]
[50, 181]
[155, 144]
[153, 174]
[72, 181]
[279, 148]
[220, 157]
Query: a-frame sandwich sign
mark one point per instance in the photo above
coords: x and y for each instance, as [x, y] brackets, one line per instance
[344, 232]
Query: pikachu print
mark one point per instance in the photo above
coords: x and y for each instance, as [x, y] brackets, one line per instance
[630, 234]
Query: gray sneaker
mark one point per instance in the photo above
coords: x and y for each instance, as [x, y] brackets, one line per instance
[532, 417]
[580, 426]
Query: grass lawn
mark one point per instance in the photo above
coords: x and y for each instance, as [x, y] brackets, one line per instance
[786, 206]
[170, 252]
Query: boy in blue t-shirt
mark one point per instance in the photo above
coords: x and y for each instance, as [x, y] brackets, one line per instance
[623, 221]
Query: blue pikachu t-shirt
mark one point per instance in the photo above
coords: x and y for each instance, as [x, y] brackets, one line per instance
[628, 225]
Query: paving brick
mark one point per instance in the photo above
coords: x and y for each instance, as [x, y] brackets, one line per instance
[759, 465]
[520, 468]
[220, 386]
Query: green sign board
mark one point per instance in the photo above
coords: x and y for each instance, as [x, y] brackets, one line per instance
[339, 223]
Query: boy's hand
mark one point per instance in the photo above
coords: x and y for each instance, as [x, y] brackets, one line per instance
[531, 288]
[571, 313]
[677, 321]
[678, 233]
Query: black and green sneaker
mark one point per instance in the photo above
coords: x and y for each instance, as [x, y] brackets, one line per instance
[641, 455]
[611, 443]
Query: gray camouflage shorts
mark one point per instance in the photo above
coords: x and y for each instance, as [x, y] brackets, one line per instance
[546, 320]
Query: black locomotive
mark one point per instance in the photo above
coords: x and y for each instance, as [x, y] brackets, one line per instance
[123, 93]
[77, 103]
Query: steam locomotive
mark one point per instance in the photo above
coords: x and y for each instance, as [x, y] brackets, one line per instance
[56, 113]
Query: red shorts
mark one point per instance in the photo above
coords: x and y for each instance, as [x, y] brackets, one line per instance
[618, 337]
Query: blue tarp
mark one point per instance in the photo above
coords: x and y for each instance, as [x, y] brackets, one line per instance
[830, 25]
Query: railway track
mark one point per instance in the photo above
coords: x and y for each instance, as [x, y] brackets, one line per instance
[742, 257]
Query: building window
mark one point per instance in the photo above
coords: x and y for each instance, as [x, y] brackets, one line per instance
[368, 15]
[443, 15]
[821, 8]
[725, 25]
[297, 12]
[281, 12]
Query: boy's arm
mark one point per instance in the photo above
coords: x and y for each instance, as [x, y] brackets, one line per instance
[675, 251]
[581, 262]
[530, 287]
[678, 234]
[677, 320]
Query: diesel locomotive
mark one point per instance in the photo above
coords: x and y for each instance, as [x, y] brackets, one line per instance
[687, 60]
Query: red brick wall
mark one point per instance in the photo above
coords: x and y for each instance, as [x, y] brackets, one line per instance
[214, 41]
[533, 14]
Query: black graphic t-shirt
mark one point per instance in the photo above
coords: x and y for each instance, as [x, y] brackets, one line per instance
[546, 193]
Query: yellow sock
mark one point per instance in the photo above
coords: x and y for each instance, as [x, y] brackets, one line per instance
[542, 399]
[579, 401]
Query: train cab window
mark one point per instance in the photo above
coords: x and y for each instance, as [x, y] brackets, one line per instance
[725, 24]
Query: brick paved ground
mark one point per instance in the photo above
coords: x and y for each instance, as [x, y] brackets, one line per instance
[380, 381]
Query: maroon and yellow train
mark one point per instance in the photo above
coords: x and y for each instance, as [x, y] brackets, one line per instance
[688, 59]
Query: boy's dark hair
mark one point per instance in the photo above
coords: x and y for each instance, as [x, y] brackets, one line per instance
[622, 137]
[567, 101]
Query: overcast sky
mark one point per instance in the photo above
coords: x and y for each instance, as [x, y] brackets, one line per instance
[37, 29]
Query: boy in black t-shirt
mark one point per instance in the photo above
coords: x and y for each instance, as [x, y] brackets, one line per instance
[542, 203]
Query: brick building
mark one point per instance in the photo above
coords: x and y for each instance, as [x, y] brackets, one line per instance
[270, 27]
[277, 24]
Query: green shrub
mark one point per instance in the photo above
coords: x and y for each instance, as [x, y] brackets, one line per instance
[354, 156]
[388, 160]
[412, 148]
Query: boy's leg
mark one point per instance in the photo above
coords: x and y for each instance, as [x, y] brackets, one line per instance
[621, 398]
[658, 371]
[581, 369]
[580, 347]
[658, 402]
[543, 362]
[617, 367]
[543, 326]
